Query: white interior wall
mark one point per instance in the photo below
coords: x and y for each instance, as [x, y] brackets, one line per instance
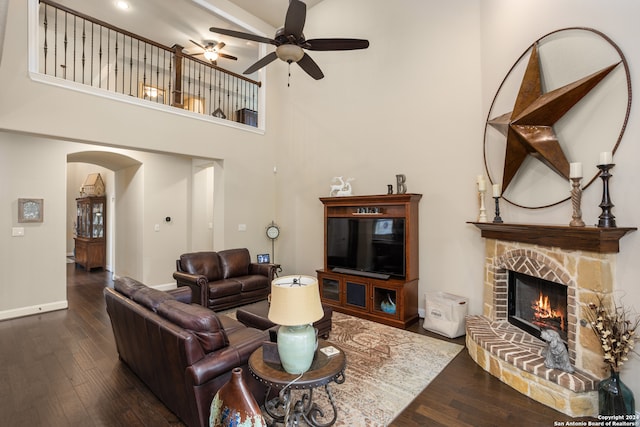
[34, 265]
[362, 121]
[202, 206]
[129, 221]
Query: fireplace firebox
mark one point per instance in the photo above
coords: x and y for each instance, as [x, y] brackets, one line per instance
[535, 304]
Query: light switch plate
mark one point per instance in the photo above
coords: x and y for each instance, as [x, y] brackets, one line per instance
[17, 231]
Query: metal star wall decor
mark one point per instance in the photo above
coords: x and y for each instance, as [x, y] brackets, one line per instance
[568, 98]
[529, 127]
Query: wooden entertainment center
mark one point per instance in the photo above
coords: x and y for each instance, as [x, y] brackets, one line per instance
[372, 295]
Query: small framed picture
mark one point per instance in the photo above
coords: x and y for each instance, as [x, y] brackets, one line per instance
[30, 210]
[264, 259]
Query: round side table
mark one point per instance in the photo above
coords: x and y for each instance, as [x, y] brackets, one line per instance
[323, 371]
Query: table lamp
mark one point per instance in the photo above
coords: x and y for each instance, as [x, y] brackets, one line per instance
[295, 305]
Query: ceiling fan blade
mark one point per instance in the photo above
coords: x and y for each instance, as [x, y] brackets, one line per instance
[296, 17]
[261, 63]
[310, 66]
[336, 44]
[198, 44]
[224, 55]
[219, 46]
[241, 35]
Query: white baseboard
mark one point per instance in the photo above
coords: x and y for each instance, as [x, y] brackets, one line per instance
[35, 309]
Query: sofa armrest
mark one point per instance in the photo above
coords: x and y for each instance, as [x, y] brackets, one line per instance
[268, 270]
[243, 343]
[199, 286]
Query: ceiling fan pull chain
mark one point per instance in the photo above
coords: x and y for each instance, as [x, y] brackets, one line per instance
[289, 76]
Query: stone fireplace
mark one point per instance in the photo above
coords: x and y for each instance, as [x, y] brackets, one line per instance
[585, 266]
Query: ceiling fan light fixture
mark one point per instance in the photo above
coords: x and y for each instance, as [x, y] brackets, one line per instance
[289, 53]
[210, 55]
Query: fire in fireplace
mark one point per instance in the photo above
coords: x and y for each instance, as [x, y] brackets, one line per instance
[536, 304]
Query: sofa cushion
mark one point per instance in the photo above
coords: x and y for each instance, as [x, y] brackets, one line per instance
[235, 262]
[151, 298]
[253, 283]
[200, 321]
[203, 263]
[224, 288]
[127, 286]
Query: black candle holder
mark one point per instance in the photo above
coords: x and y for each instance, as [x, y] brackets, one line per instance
[497, 218]
[607, 219]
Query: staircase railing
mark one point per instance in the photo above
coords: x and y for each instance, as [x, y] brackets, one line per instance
[75, 47]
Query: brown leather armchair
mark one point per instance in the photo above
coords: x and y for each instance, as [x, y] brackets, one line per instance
[225, 279]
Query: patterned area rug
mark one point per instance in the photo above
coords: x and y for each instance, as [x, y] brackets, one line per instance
[386, 369]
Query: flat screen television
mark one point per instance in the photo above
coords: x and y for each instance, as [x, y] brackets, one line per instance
[367, 246]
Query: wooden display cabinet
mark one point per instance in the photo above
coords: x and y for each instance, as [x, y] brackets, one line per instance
[91, 226]
[370, 296]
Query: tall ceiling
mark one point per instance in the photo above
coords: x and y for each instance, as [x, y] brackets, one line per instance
[172, 22]
[270, 11]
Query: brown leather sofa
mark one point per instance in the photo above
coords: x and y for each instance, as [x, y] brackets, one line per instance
[183, 352]
[225, 279]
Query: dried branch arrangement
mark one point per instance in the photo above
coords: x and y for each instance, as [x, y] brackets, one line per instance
[615, 325]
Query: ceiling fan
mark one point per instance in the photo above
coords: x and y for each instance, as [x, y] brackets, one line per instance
[290, 42]
[211, 51]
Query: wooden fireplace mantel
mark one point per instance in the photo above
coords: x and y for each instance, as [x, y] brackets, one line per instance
[593, 239]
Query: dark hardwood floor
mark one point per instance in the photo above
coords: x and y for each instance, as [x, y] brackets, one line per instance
[62, 369]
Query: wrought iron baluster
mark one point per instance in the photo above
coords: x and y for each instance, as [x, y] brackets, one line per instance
[91, 54]
[151, 74]
[55, 44]
[210, 110]
[75, 44]
[45, 47]
[164, 61]
[65, 44]
[84, 46]
[144, 72]
[108, 57]
[130, 66]
[100, 60]
[170, 99]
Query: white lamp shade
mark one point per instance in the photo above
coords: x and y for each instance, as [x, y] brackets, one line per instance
[295, 300]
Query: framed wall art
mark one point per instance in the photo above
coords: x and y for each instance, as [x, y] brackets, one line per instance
[30, 210]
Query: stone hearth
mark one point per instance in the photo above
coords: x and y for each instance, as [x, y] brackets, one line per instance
[516, 357]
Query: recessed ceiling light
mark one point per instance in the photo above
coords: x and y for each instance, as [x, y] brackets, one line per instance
[122, 5]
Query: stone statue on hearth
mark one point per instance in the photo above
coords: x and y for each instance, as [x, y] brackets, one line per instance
[556, 355]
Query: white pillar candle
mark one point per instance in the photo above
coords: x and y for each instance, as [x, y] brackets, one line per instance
[496, 190]
[575, 170]
[482, 184]
[606, 158]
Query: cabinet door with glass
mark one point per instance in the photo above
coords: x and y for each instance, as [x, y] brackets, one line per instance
[91, 222]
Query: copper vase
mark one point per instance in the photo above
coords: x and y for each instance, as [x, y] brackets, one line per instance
[234, 405]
